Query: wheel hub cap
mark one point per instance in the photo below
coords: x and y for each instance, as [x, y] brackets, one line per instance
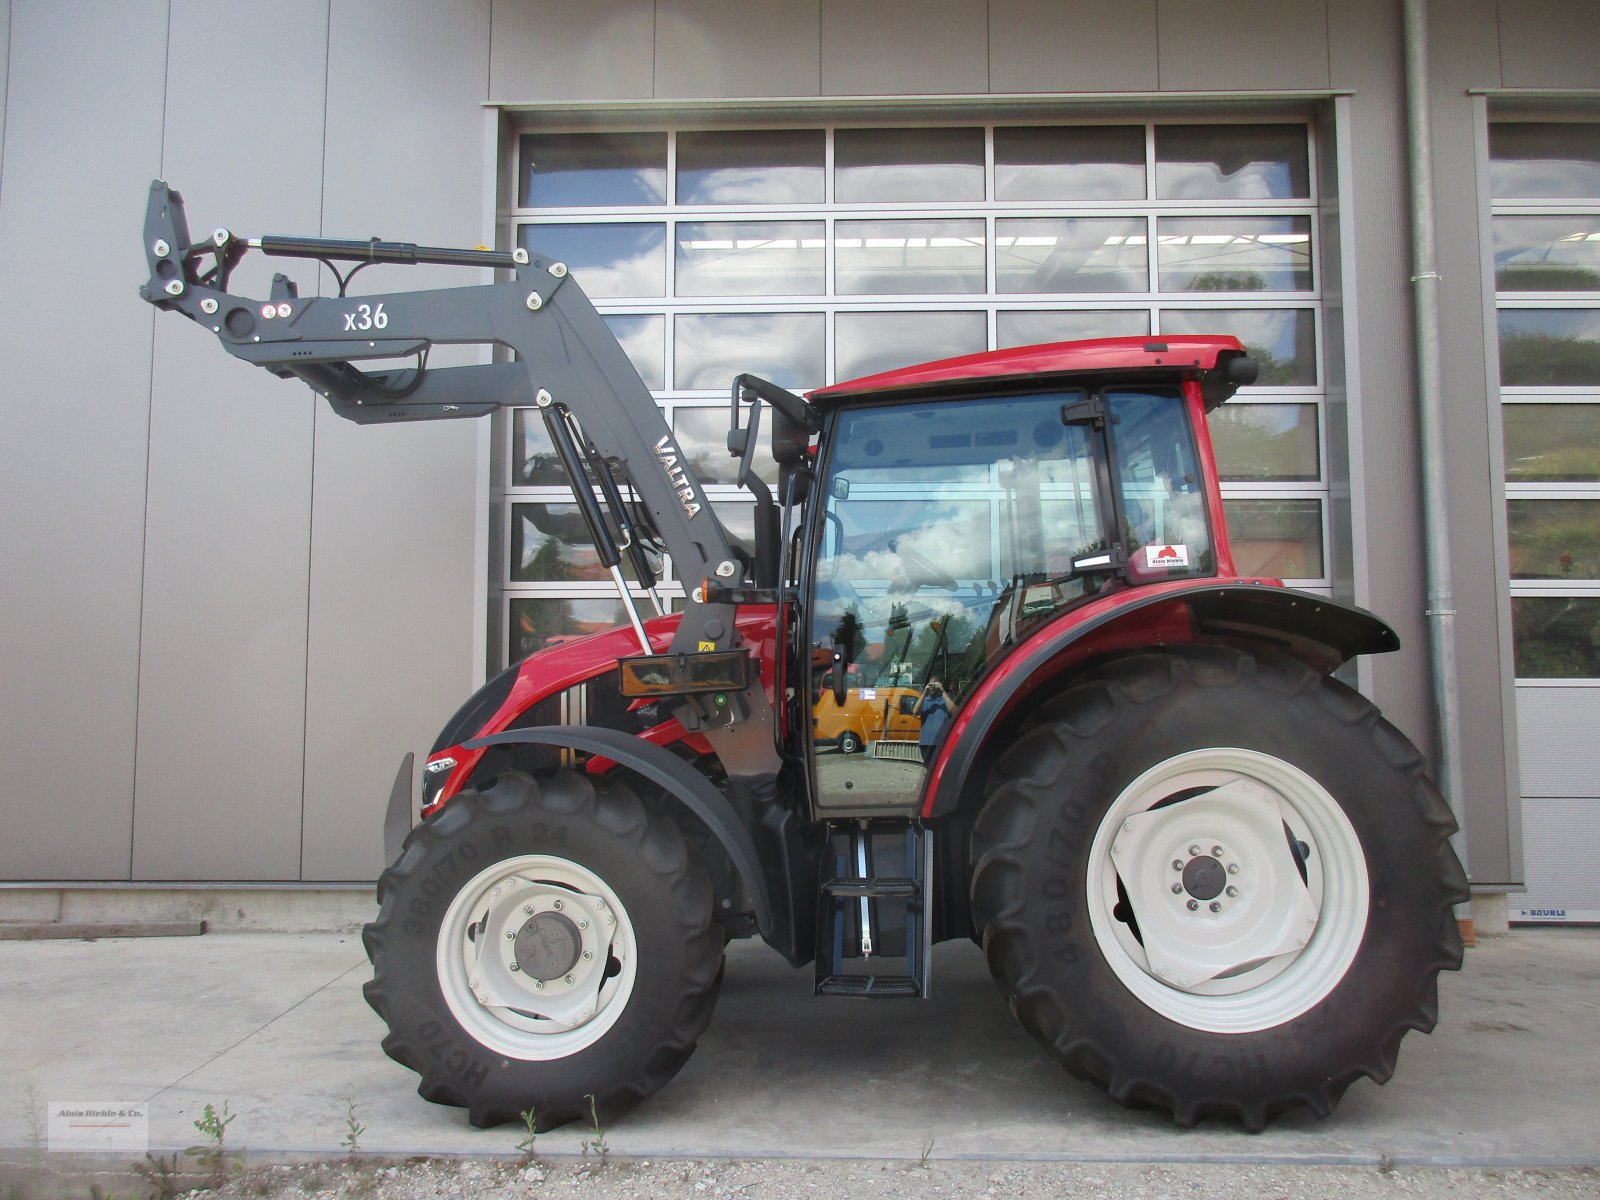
[1213, 884]
[548, 946]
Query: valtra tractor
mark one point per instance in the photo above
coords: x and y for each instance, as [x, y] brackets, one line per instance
[1206, 875]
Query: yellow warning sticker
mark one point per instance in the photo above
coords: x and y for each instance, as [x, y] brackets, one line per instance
[707, 647]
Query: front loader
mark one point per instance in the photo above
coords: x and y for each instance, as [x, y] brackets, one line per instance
[1205, 874]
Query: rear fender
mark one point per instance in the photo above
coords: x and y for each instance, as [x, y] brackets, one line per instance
[1321, 633]
[674, 776]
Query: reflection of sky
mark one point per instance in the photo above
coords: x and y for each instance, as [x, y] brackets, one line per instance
[901, 257]
[1065, 163]
[1032, 328]
[573, 170]
[1274, 252]
[1581, 324]
[769, 166]
[1239, 162]
[907, 164]
[606, 260]
[644, 340]
[745, 258]
[1284, 334]
[1537, 241]
[867, 343]
[710, 349]
[1544, 159]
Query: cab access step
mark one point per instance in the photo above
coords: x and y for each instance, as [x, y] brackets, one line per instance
[867, 918]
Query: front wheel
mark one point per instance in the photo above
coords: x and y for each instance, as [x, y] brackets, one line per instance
[1217, 884]
[542, 942]
[850, 742]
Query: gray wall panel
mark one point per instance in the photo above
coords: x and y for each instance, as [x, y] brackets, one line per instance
[1072, 45]
[223, 648]
[1549, 43]
[5, 74]
[904, 47]
[392, 560]
[1465, 55]
[1237, 44]
[757, 48]
[597, 50]
[83, 138]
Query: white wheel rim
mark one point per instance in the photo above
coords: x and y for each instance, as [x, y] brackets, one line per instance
[536, 957]
[1266, 945]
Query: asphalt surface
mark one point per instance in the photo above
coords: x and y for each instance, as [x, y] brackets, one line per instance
[274, 1026]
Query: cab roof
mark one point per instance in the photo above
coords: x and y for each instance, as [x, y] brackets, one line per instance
[1187, 356]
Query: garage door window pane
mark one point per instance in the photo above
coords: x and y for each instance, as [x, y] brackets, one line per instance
[1554, 539]
[1083, 254]
[1234, 254]
[867, 343]
[1056, 163]
[1266, 442]
[550, 543]
[1282, 340]
[1242, 162]
[534, 461]
[751, 258]
[1547, 254]
[1556, 637]
[1544, 159]
[1279, 539]
[593, 170]
[1552, 442]
[538, 621]
[918, 165]
[711, 348]
[1023, 328]
[702, 434]
[1550, 347]
[908, 257]
[606, 260]
[644, 339]
[761, 166]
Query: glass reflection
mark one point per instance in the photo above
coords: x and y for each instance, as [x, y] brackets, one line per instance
[1276, 539]
[702, 434]
[866, 343]
[1556, 637]
[1552, 442]
[1094, 162]
[751, 166]
[550, 544]
[1539, 159]
[644, 340]
[908, 257]
[1082, 254]
[1549, 347]
[538, 622]
[924, 165]
[606, 260]
[751, 258]
[1024, 328]
[1554, 539]
[1274, 443]
[1547, 254]
[1282, 340]
[1237, 162]
[709, 349]
[1234, 254]
[738, 522]
[592, 170]
[535, 462]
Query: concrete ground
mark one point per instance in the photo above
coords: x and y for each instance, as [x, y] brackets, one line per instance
[275, 1025]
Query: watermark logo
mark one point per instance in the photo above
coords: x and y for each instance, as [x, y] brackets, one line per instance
[97, 1125]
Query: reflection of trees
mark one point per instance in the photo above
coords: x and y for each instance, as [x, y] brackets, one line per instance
[539, 620]
[1251, 450]
[1546, 277]
[1228, 281]
[1555, 539]
[1548, 360]
[1274, 370]
[1556, 638]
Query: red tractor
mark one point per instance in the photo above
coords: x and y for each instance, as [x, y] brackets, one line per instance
[1206, 874]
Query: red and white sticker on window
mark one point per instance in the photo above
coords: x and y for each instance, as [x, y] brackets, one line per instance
[1169, 556]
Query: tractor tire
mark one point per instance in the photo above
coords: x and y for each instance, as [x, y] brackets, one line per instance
[541, 943]
[850, 743]
[1217, 884]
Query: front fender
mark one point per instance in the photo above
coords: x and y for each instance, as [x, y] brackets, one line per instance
[1321, 633]
[677, 778]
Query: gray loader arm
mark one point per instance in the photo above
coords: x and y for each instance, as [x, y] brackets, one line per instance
[567, 362]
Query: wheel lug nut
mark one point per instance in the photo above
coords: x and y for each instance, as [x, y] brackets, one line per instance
[1193, 905]
[569, 981]
[513, 966]
[1177, 889]
[583, 924]
[588, 954]
[1216, 852]
[1216, 907]
[558, 906]
[1233, 868]
[1194, 851]
[511, 935]
[538, 985]
[527, 910]
[1177, 864]
[1232, 891]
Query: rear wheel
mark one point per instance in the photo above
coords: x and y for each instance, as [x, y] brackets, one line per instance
[542, 942]
[849, 742]
[1217, 884]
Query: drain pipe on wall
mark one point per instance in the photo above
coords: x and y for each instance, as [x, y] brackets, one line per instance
[1430, 407]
